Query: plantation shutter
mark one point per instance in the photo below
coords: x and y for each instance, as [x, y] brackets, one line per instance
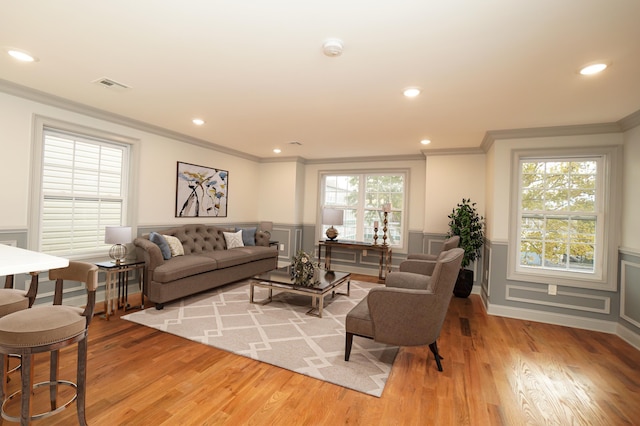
[83, 190]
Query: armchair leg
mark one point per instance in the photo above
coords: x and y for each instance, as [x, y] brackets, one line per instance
[434, 348]
[348, 343]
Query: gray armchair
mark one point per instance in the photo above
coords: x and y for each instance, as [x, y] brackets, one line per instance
[421, 263]
[409, 310]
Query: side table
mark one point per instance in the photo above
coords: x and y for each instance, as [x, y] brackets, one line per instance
[117, 275]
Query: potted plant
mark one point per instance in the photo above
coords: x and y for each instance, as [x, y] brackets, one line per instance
[469, 226]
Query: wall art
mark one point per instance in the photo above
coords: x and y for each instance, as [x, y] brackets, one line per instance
[201, 191]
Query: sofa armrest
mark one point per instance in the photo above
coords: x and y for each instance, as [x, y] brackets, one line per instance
[149, 252]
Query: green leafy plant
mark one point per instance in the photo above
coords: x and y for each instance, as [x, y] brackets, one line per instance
[469, 226]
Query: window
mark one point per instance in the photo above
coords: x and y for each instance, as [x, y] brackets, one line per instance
[563, 219]
[83, 190]
[361, 196]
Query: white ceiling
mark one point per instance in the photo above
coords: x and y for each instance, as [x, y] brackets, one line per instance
[255, 71]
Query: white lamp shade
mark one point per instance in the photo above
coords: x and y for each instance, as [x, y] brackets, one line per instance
[332, 217]
[117, 234]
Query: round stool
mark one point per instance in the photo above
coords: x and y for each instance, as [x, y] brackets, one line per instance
[49, 329]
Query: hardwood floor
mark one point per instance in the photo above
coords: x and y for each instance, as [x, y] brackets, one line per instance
[497, 371]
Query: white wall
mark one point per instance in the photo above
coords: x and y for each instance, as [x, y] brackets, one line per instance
[449, 179]
[278, 186]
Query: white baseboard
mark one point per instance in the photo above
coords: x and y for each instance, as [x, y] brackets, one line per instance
[628, 336]
[553, 318]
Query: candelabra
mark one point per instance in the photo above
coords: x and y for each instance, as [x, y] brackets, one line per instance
[375, 235]
[384, 229]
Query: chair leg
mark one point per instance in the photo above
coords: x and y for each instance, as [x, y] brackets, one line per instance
[348, 344]
[434, 348]
[82, 381]
[53, 379]
[27, 387]
[4, 377]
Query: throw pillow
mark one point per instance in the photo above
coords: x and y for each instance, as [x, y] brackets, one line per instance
[249, 236]
[159, 240]
[233, 239]
[174, 245]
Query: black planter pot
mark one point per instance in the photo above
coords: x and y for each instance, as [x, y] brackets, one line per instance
[464, 283]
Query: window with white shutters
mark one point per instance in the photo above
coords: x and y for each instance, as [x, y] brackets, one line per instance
[83, 190]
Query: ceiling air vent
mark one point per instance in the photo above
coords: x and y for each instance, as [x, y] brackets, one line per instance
[110, 84]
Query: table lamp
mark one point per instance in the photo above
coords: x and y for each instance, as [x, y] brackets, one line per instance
[118, 236]
[332, 217]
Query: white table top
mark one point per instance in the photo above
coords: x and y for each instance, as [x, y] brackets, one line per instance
[14, 260]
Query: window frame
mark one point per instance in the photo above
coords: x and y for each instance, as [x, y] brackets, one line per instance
[43, 124]
[405, 173]
[607, 208]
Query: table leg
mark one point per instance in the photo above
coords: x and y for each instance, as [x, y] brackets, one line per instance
[380, 267]
[320, 305]
[327, 258]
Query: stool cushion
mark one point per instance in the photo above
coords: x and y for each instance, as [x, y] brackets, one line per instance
[41, 325]
[358, 320]
[12, 301]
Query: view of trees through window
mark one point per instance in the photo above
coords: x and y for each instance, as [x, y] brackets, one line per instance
[559, 214]
[361, 197]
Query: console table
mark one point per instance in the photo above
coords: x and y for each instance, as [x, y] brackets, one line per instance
[385, 253]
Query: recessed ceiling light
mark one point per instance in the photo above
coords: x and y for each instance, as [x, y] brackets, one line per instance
[425, 141]
[21, 55]
[277, 150]
[198, 121]
[593, 69]
[411, 92]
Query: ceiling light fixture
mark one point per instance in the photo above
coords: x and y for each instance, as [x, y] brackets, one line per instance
[593, 69]
[21, 55]
[411, 92]
[277, 150]
[332, 47]
[425, 141]
[198, 121]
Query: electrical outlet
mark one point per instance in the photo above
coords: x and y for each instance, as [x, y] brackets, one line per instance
[281, 247]
[553, 289]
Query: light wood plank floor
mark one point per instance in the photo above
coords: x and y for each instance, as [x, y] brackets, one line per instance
[497, 371]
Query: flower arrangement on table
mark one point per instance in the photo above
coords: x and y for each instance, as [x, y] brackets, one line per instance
[303, 269]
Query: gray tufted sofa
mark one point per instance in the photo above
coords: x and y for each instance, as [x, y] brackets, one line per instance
[206, 263]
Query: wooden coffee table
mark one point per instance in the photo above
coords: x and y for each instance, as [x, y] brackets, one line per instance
[280, 279]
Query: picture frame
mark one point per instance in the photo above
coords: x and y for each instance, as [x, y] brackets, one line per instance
[201, 191]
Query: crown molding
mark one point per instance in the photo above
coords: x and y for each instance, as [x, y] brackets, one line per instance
[452, 151]
[62, 103]
[417, 157]
[630, 121]
[543, 132]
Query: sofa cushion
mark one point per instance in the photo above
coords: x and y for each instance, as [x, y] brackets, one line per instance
[175, 245]
[249, 236]
[183, 266]
[161, 242]
[233, 239]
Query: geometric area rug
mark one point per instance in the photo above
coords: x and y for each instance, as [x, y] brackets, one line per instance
[279, 333]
